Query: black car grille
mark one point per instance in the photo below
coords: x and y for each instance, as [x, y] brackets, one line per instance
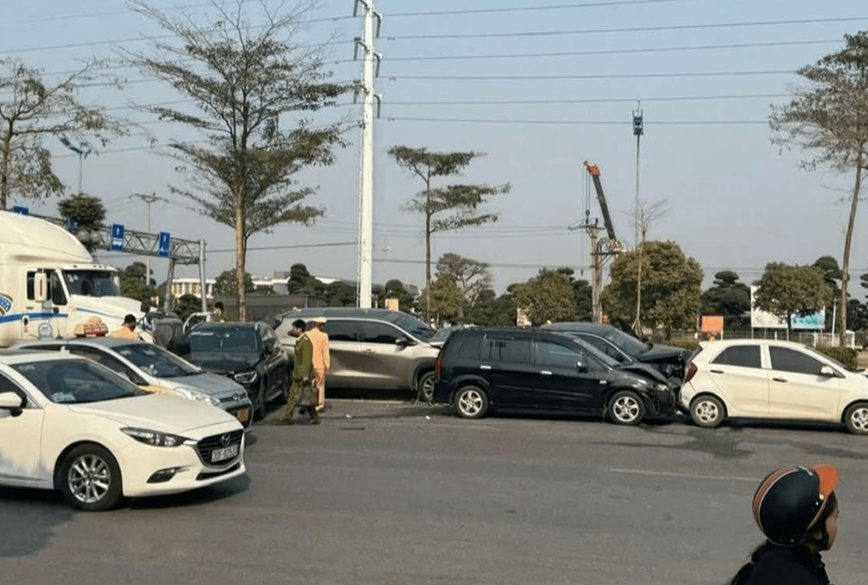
[208, 444]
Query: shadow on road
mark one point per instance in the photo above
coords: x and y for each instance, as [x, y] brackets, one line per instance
[199, 497]
[28, 519]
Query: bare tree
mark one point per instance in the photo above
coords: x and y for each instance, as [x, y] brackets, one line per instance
[646, 215]
[828, 116]
[250, 87]
[30, 111]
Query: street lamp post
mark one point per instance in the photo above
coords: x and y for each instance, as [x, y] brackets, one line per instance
[82, 150]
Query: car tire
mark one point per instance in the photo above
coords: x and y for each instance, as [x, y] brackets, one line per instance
[90, 478]
[286, 383]
[707, 411]
[425, 385]
[260, 411]
[856, 418]
[626, 408]
[471, 402]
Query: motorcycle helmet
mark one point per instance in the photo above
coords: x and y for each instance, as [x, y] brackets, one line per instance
[790, 501]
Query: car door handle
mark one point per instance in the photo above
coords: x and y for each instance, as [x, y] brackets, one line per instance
[545, 373]
[484, 367]
[779, 379]
[716, 371]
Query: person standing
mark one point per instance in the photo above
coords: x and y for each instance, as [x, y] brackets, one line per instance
[128, 329]
[797, 510]
[321, 359]
[302, 372]
[219, 315]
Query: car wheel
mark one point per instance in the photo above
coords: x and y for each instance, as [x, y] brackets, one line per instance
[261, 401]
[856, 418]
[90, 478]
[626, 408]
[426, 387]
[707, 411]
[471, 402]
[285, 385]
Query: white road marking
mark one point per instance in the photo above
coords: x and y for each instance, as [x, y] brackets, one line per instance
[686, 475]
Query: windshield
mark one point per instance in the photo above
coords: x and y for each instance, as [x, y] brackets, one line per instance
[235, 340]
[820, 354]
[596, 353]
[628, 343]
[157, 361]
[412, 325]
[92, 283]
[76, 381]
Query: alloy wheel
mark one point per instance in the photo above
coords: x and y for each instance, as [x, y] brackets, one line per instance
[89, 479]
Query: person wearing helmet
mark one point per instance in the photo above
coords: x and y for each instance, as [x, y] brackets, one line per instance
[797, 510]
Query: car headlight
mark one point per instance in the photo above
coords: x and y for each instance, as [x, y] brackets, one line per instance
[197, 396]
[155, 438]
[246, 377]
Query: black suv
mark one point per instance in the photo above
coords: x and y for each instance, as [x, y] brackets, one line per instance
[490, 368]
[249, 353]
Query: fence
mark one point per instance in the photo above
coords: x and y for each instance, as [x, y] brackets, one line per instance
[813, 338]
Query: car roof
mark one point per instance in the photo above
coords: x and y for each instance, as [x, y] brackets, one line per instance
[19, 356]
[109, 342]
[212, 325]
[586, 326]
[341, 312]
[723, 343]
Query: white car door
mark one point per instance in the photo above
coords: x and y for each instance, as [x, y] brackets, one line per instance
[21, 441]
[740, 379]
[796, 388]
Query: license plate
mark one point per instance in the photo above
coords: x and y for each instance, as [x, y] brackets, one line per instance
[243, 415]
[224, 453]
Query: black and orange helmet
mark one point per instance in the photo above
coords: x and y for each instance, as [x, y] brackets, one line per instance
[790, 500]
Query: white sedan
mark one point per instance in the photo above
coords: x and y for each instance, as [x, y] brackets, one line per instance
[71, 424]
[768, 379]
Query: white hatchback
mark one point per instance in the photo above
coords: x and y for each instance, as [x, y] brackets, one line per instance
[768, 379]
[71, 424]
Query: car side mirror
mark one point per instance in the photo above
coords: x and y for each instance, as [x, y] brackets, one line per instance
[581, 366]
[828, 372]
[12, 402]
[404, 342]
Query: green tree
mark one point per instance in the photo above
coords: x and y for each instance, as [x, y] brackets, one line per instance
[828, 116]
[186, 305]
[671, 287]
[88, 213]
[340, 294]
[786, 290]
[547, 297]
[832, 276]
[490, 309]
[134, 283]
[727, 297]
[470, 276]
[252, 85]
[448, 207]
[445, 300]
[225, 284]
[32, 110]
[395, 289]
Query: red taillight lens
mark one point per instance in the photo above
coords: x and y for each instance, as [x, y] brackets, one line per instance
[691, 371]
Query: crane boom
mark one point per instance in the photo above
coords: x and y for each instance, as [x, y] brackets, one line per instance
[594, 171]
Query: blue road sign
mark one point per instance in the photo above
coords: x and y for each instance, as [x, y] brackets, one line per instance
[20, 209]
[165, 242]
[117, 237]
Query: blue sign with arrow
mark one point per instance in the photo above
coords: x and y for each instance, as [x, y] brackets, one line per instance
[117, 237]
[164, 244]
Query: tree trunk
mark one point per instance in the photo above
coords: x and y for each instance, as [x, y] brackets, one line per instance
[428, 214]
[240, 264]
[848, 240]
[5, 156]
[637, 324]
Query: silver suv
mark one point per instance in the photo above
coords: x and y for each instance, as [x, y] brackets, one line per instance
[371, 348]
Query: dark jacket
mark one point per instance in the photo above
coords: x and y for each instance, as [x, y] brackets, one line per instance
[302, 368]
[773, 565]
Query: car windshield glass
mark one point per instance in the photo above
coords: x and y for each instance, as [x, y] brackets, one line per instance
[235, 340]
[596, 353]
[92, 283]
[76, 381]
[412, 325]
[821, 355]
[630, 345]
[157, 361]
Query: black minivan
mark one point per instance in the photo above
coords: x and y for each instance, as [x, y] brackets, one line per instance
[488, 368]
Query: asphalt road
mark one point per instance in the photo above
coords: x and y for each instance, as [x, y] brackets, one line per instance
[396, 493]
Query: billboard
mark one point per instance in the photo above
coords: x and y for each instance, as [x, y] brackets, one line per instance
[763, 320]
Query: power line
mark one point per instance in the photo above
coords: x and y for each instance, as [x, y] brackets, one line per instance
[613, 51]
[530, 8]
[287, 247]
[586, 76]
[579, 122]
[584, 101]
[625, 30]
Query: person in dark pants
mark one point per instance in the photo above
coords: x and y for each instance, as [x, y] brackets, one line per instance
[797, 510]
[302, 370]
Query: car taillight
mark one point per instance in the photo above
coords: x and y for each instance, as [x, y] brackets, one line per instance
[691, 371]
[437, 368]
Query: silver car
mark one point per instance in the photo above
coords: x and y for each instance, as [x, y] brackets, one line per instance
[372, 349]
[155, 369]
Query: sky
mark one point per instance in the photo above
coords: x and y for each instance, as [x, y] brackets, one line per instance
[539, 86]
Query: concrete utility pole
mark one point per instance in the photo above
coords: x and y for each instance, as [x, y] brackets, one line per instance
[149, 199]
[638, 131]
[366, 221]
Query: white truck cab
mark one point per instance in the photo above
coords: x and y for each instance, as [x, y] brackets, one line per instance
[49, 283]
